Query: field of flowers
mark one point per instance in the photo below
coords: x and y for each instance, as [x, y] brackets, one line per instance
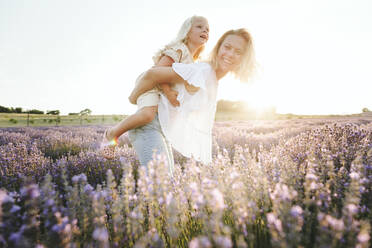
[283, 183]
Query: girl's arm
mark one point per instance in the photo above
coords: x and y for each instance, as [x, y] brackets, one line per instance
[152, 78]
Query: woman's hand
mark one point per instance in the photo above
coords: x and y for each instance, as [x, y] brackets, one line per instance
[132, 99]
[153, 77]
[172, 97]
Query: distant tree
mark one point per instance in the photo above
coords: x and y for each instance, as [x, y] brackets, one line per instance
[364, 110]
[85, 112]
[73, 113]
[35, 111]
[231, 106]
[52, 112]
[223, 105]
[4, 109]
[16, 110]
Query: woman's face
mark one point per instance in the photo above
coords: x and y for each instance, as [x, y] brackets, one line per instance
[230, 53]
[199, 31]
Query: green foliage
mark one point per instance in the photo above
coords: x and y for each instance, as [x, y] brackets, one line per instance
[35, 111]
[115, 118]
[14, 121]
[59, 149]
[53, 112]
[5, 109]
[231, 106]
[17, 110]
[85, 112]
[364, 110]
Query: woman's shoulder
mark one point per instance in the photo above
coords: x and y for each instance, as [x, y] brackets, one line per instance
[196, 74]
[195, 67]
[203, 66]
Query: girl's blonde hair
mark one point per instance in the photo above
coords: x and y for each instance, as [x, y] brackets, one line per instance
[247, 65]
[182, 37]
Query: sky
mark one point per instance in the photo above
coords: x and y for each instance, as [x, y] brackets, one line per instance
[314, 57]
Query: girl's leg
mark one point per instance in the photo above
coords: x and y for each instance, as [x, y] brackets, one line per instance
[143, 83]
[142, 117]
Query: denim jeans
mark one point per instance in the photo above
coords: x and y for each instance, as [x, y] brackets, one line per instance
[149, 139]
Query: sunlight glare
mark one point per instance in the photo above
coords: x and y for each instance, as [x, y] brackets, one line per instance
[258, 97]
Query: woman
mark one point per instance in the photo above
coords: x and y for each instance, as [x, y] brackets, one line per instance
[189, 126]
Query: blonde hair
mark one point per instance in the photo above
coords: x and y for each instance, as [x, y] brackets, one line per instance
[247, 65]
[182, 37]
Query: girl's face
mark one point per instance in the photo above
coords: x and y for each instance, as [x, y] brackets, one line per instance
[230, 53]
[199, 31]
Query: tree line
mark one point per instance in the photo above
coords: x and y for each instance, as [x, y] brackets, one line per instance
[19, 110]
[222, 106]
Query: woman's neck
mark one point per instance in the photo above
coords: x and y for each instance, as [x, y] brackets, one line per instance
[220, 74]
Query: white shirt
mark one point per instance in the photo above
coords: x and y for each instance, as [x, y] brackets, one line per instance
[189, 126]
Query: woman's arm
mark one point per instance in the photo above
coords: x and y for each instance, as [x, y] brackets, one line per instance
[153, 77]
[165, 61]
[166, 87]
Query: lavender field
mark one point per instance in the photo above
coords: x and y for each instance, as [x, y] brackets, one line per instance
[283, 183]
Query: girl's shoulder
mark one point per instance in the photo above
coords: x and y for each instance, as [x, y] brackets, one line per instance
[177, 51]
[183, 52]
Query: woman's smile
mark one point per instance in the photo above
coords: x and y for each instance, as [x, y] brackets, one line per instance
[230, 53]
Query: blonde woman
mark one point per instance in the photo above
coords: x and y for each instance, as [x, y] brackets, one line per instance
[186, 48]
[188, 127]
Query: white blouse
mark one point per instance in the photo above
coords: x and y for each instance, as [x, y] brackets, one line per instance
[189, 126]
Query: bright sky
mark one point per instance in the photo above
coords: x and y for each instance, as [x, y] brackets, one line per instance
[315, 56]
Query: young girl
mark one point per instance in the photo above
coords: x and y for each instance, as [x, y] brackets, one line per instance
[188, 127]
[186, 48]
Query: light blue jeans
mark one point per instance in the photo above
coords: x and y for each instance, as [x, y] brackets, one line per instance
[149, 139]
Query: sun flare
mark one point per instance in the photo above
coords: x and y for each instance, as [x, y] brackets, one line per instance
[257, 97]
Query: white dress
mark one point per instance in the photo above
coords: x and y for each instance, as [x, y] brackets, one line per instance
[189, 127]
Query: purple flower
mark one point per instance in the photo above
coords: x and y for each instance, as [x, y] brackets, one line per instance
[296, 211]
[100, 234]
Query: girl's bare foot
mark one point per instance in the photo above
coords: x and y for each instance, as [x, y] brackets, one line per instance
[108, 145]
